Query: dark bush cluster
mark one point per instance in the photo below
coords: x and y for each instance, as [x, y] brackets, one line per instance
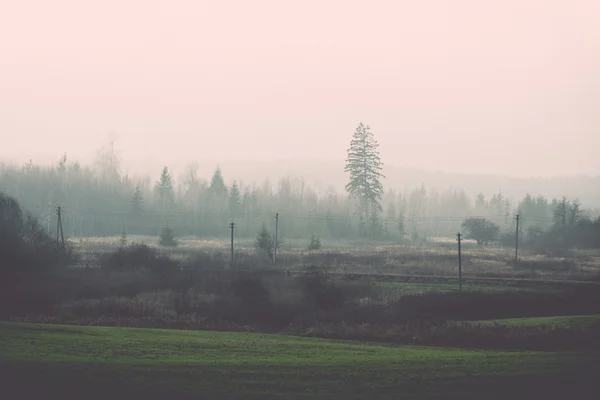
[139, 256]
[30, 260]
[24, 245]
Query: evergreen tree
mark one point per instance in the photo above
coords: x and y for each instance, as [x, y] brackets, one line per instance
[164, 188]
[265, 242]
[315, 243]
[575, 213]
[364, 166]
[561, 213]
[481, 205]
[138, 200]
[400, 226]
[217, 184]
[235, 200]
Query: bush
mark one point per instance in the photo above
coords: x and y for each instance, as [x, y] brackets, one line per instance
[320, 290]
[315, 243]
[206, 260]
[167, 238]
[30, 262]
[24, 246]
[507, 239]
[250, 292]
[137, 256]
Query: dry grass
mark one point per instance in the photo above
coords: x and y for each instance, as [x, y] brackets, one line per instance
[435, 258]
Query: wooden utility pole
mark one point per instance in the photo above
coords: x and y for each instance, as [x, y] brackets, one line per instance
[232, 227]
[276, 237]
[60, 237]
[459, 239]
[517, 243]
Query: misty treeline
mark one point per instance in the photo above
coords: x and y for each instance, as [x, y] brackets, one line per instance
[98, 200]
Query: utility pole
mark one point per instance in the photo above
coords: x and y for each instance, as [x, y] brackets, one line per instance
[276, 237]
[59, 229]
[459, 239]
[232, 227]
[517, 243]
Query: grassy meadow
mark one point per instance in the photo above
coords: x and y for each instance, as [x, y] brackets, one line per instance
[351, 320]
[436, 258]
[571, 321]
[101, 362]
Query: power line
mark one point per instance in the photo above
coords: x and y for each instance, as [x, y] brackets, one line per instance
[265, 214]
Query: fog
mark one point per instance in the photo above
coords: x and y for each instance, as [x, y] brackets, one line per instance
[456, 86]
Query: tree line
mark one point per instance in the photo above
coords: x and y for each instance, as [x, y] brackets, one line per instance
[97, 200]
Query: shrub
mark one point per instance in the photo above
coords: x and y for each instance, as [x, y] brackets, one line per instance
[315, 243]
[24, 245]
[167, 238]
[250, 292]
[507, 239]
[136, 256]
[29, 261]
[206, 260]
[320, 290]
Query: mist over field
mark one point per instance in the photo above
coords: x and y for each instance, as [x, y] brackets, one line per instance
[315, 199]
[454, 86]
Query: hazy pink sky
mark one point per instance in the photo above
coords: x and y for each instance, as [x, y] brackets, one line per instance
[512, 85]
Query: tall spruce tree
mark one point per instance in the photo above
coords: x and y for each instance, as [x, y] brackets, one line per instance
[364, 166]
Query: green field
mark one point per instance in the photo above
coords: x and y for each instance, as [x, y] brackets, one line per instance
[51, 361]
[579, 321]
[412, 287]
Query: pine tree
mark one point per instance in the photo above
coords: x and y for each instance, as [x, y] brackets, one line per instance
[364, 165]
[315, 243]
[217, 184]
[138, 200]
[561, 212]
[235, 200]
[164, 187]
[265, 242]
[481, 205]
[400, 226]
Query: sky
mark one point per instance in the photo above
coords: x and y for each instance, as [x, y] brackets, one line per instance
[508, 87]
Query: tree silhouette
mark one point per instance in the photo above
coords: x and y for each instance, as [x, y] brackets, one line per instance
[235, 199]
[164, 188]
[138, 200]
[482, 230]
[217, 184]
[364, 166]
